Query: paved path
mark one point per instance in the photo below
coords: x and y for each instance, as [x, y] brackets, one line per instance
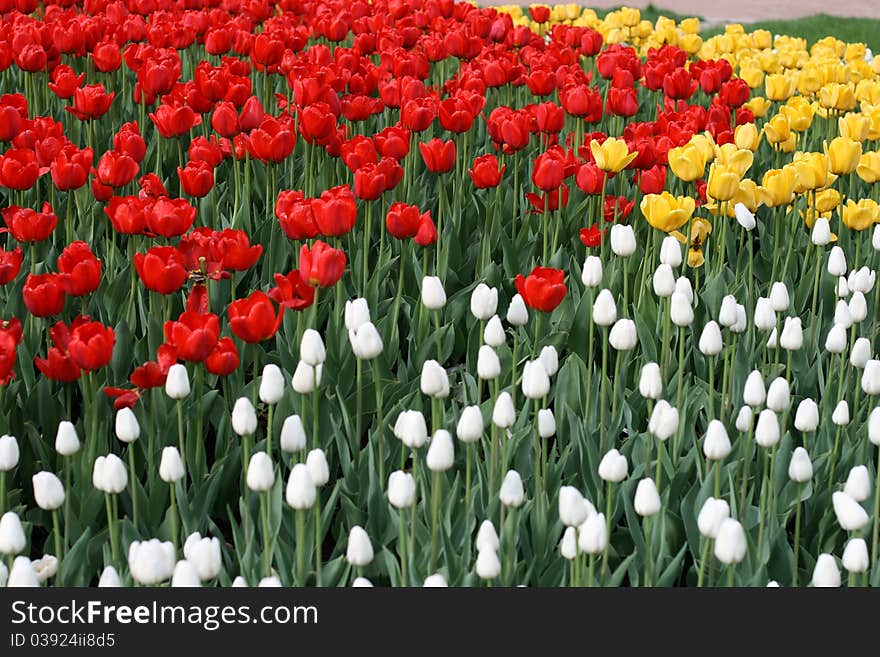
[747, 10]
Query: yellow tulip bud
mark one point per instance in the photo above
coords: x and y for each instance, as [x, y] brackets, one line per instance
[723, 181]
[753, 76]
[612, 155]
[826, 200]
[854, 126]
[777, 129]
[738, 159]
[861, 215]
[779, 87]
[843, 155]
[746, 136]
[812, 171]
[777, 187]
[840, 97]
[666, 212]
[869, 167]
[690, 25]
[747, 194]
[799, 113]
[762, 39]
[687, 162]
[759, 106]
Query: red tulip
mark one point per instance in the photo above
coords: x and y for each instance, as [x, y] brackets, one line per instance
[10, 264]
[295, 214]
[91, 345]
[317, 123]
[196, 178]
[65, 81]
[591, 237]
[193, 335]
[19, 169]
[418, 114]
[549, 117]
[90, 102]
[335, 212]
[369, 182]
[291, 291]
[43, 294]
[254, 319]
[58, 366]
[126, 214]
[321, 265]
[27, 225]
[456, 115]
[678, 84]
[485, 172]
[223, 359]
[173, 121]
[548, 171]
[582, 101]
[80, 270]
[169, 217]
[10, 337]
[224, 120]
[107, 56]
[539, 13]
[70, 168]
[543, 289]
[209, 151]
[404, 221]
[622, 102]
[393, 141]
[273, 141]
[161, 269]
[734, 92]
[589, 178]
[438, 155]
[116, 169]
[233, 250]
[128, 140]
[358, 151]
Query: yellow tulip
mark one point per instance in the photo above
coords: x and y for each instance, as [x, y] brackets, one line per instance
[762, 39]
[790, 144]
[861, 215]
[869, 167]
[769, 61]
[777, 187]
[868, 91]
[747, 194]
[777, 129]
[759, 106]
[826, 200]
[723, 181]
[812, 171]
[629, 17]
[746, 136]
[799, 112]
[753, 76]
[690, 43]
[840, 97]
[666, 212]
[857, 70]
[809, 79]
[700, 230]
[704, 141]
[852, 125]
[872, 114]
[843, 155]
[810, 214]
[738, 159]
[779, 87]
[690, 25]
[687, 162]
[612, 155]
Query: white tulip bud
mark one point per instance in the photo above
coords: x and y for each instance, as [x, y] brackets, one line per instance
[293, 435]
[613, 467]
[433, 294]
[470, 424]
[710, 339]
[572, 510]
[778, 395]
[549, 358]
[517, 313]
[858, 307]
[366, 343]
[301, 492]
[177, 382]
[647, 499]
[754, 392]
[683, 286]
[109, 579]
[204, 554]
[9, 453]
[244, 417]
[48, 491]
[650, 384]
[855, 556]
[593, 534]
[837, 262]
[623, 335]
[604, 309]
[670, 251]
[874, 427]
[826, 573]
[765, 318]
[401, 489]
[862, 280]
[357, 312]
[306, 378]
[792, 337]
[512, 493]
[850, 514]
[730, 544]
[842, 289]
[546, 423]
[744, 217]
[858, 484]
[484, 301]
[842, 315]
[663, 281]
[435, 581]
[271, 384]
[441, 453]
[835, 341]
[151, 562]
[871, 378]
[716, 444]
[171, 467]
[591, 276]
[488, 565]
[260, 473]
[410, 429]
[488, 363]
[767, 429]
[800, 468]
[772, 341]
[434, 381]
[806, 417]
[742, 321]
[875, 238]
[623, 240]
[779, 297]
[269, 582]
[493, 334]
[66, 440]
[821, 234]
[712, 514]
[680, 310]
[664, 420]
[12, 540]
[860, 354]
[568, 547]
[727, 313]
[359, 552]
[319, 469]
[503, 414]
[45, 568]
[487, 537]
[22, 574]
[311, 348]
[744, 419]
[185, 575]
[535, 381]
[840, 416]
[127, 428]
[109, 475]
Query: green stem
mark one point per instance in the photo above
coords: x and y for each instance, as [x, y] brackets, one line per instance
[132, 475]
[436, 493]
[318, 531]
[267, 538]
[300, 547]
[175, 531]
[797, 537]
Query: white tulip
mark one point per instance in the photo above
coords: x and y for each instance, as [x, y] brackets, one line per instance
[177, 382]
[357, 312]
[493, 334]
[260, 473]
[730, 544]
[591, 276]
[512, 493]
[126, 425]
[517, 313]
[433, 294]
[647, 499]
[359, 551]
[484, 301]
[271, 384]
[800, 468]
[826, 574]
[434, 381]
[716, 444]
[293, 435]
[441, 453]
[66, 440]
[311, 348]
[604, 309]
